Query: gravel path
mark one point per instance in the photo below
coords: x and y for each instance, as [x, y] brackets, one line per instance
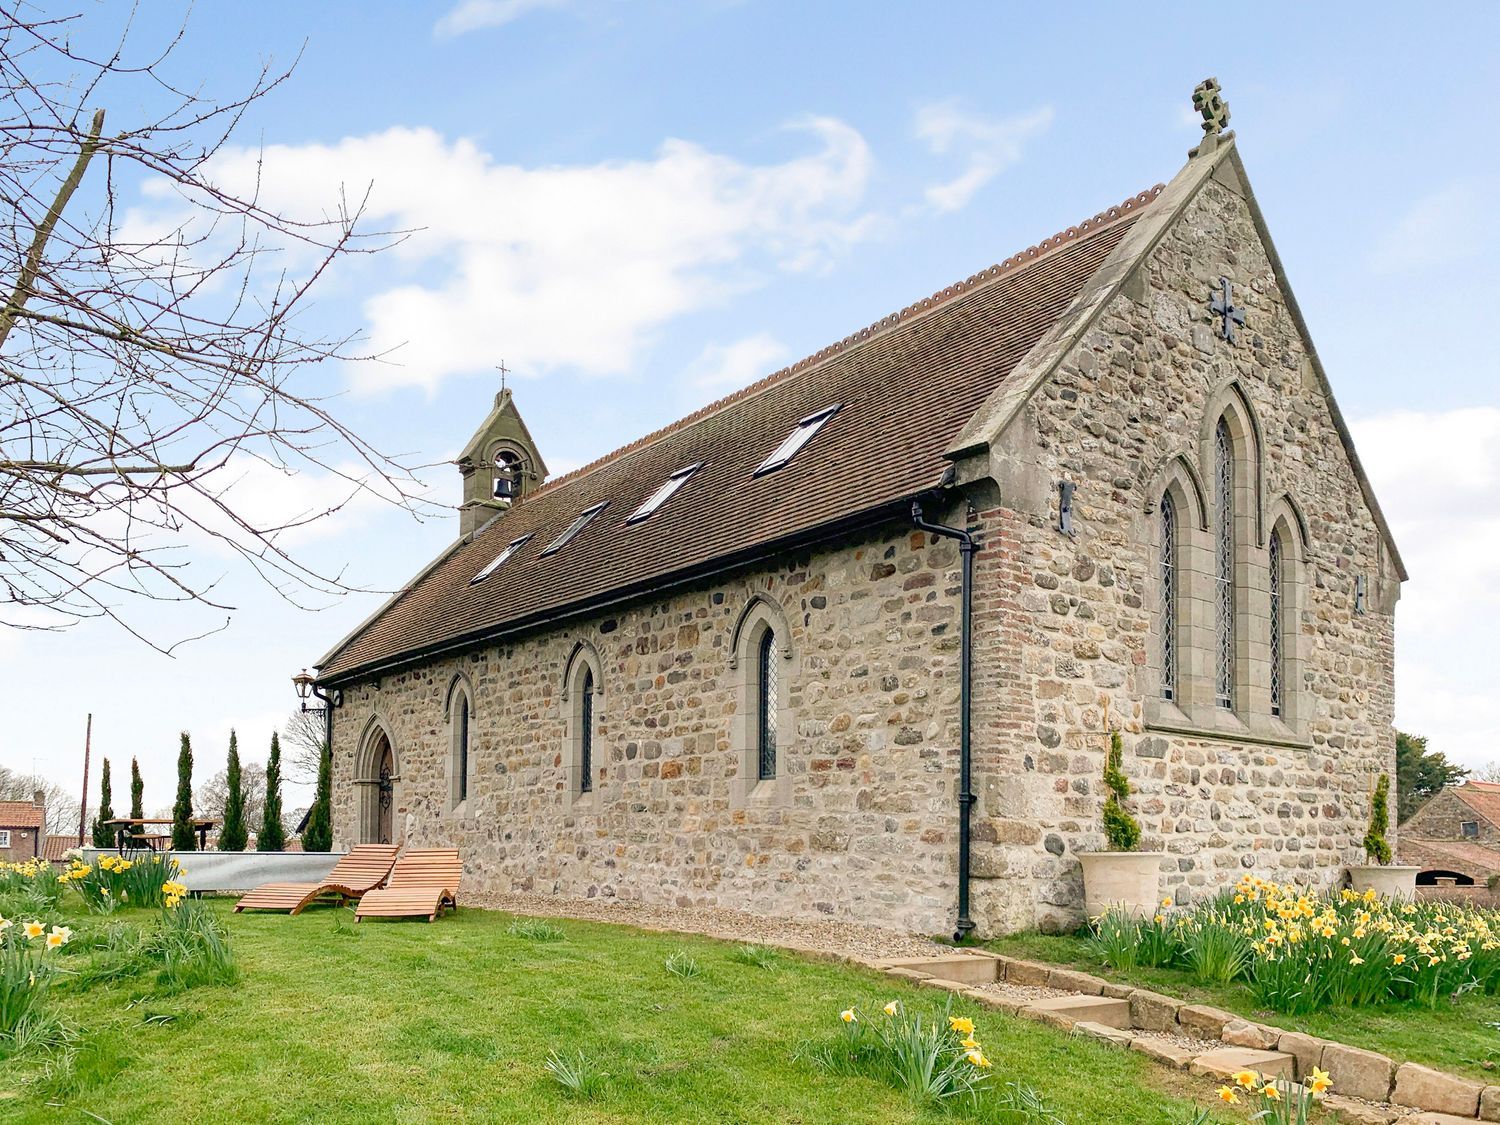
[844, 940]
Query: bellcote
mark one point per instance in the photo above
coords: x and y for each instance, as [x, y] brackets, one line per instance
[499, 466]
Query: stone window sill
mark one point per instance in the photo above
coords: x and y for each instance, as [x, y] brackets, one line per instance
[1268, 737]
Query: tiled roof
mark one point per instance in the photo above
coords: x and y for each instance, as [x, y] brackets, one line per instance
[1481, 796]
[1450, 855]
[20, 814]
[53, 847]
[907, 384]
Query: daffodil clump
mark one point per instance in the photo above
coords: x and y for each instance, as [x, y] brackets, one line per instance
[26, 969]
[34, 877]
[1299, 951]
[935, 1060]
[1280, 1102]
[113, 881]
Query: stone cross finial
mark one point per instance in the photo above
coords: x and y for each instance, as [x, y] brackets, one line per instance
[1210, 104]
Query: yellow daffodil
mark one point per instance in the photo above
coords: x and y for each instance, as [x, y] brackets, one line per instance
[977, 1057]
[1228, 1095]
[961, 1024]
[970, 1043]
[1398, 959]
[1244, 1079]
[1319, 1081]
[33, 929]
[1270, 1092]
[848, 1016]
[892, 1008]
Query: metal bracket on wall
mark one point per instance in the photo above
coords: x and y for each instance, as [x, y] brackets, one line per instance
[1065, 491]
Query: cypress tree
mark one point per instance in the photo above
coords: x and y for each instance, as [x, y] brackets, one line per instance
[1121, 829]
[1377, 847]
[272, 835]
[318, 835]
[137, 803]
[183, 839]
[104, 835]
[233, 834]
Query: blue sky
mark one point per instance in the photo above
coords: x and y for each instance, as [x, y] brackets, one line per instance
[641, 206]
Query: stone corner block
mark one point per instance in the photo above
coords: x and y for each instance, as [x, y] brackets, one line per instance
[1306, 1049]
[1203, 1021]
[1246, 1033]
[1429, 1089]
[1151, 1011]
[1489, 1104]
[1358, 1073]
[1068, 980]
[1117, 991]
[1027, 973]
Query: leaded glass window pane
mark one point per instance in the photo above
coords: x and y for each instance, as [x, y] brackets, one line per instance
[586, 733]
[1224, 564]
[463, 749]
[1275, 576]
[1168, 598]
[769, 687]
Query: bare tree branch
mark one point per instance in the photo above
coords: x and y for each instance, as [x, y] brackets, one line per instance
[152, 356]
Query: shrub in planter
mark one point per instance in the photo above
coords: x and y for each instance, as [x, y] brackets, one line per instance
[1380, 875]
[1121, 878]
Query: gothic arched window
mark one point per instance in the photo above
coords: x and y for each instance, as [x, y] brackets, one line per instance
[1168, 595]
[766, 704]
[460, 720]
[586, 732]
[1276, 622]
[1224, 598]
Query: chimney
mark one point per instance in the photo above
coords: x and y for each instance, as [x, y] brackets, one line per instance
[39, 798]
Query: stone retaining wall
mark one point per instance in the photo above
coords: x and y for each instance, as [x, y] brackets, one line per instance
[1365, 1081]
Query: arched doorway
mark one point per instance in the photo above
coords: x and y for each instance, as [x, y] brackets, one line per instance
[377, 780]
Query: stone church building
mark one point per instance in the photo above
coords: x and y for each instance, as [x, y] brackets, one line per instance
[724, 665]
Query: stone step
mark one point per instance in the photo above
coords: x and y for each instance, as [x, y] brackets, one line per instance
[1227, 1061]
[1075, 1009]
[966, 968]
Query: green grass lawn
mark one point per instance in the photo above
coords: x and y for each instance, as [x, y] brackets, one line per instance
[1461, 1036]
[410, 1022]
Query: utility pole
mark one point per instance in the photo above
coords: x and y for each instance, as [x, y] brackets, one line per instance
[83, 805]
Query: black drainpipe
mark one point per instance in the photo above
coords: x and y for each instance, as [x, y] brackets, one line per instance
[968, 543]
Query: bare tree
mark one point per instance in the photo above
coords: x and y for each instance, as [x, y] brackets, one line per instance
[212, 795]
[303, 738]
[61, 816]
[148, 365]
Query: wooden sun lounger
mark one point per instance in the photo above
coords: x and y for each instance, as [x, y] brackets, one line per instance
[352, 876]
[421, 883]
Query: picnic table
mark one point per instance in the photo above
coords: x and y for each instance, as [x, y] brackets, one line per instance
[129, 837]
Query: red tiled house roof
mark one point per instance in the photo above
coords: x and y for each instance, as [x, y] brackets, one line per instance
[906, 386]
[54, 847]
[1481, 796]
[20, 814]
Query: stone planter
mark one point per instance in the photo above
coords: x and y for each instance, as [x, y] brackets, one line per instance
[1392, 881]
[1126, 881]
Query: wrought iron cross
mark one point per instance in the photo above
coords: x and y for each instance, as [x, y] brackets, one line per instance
[504, 371]
[1223, 307]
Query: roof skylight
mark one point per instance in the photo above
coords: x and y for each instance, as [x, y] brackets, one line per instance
[494, 564]
[579, 523]
[804, 433]
[664, 493]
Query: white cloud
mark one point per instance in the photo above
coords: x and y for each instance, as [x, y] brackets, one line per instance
[1436, 229]
[1437, 475]
[723, 368]
[989, 146]
[473, 15]
[566, 265]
